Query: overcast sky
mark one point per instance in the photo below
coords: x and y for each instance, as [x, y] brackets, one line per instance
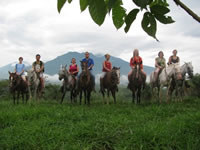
[28, 27]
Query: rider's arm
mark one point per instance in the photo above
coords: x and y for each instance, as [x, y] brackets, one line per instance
[169, 62]
[42, 67]
[131, 63]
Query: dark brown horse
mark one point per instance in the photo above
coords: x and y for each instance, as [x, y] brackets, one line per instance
[136, 82]
[85, 83]
[19, 86]
[109, 83]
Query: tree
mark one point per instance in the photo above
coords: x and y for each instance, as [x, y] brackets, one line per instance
[154, 10]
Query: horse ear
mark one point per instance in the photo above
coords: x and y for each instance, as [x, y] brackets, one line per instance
[65, 66]
[9, 72]
[61, 66]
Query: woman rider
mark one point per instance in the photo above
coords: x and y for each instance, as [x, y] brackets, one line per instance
[107, 66]
[136, 59]
[174, 59]
[160, 63]
[19, 69]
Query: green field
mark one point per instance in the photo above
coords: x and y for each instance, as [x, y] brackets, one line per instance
[49, 125]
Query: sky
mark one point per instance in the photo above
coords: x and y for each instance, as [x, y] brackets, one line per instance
[28, 27]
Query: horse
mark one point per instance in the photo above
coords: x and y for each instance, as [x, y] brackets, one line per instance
[69, 83]
[17, 84]
[110, 82]
[136, 83]
[85, 83]
[179, 84]
[34, 84]
[164, 80]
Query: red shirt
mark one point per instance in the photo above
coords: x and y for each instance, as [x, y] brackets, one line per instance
[73, 68]
[136, 60]
[107, 65]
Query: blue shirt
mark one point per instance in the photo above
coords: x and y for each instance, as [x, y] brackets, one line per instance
[19, 68]
[90, 62]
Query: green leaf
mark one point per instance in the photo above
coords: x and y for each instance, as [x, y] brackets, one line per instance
[149, 24]
[118, 14]
[69, 1]
[142, 3]
[60, 4]
[97, 9]
[83, 4]
[130, 18]
[110, 4]
[159, 9]
[164, 19]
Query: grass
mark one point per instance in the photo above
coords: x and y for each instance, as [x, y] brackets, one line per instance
[124, 126]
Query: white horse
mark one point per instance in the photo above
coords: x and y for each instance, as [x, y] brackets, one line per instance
[69, 83]
[179, 84]
[164, 80]
[33, 83]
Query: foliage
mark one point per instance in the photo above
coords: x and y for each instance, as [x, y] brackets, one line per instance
[49, 125]
[195, 85]
[4, 89]
[154, 10]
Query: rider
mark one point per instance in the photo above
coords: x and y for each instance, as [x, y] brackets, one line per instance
[107, 66]
[90, 66]
[73, 68]
[160, 63]
[38, 66]
[19, 69]
[136, 59]
[174, 59]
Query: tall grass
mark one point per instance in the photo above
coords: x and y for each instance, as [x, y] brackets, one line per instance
[49, 125]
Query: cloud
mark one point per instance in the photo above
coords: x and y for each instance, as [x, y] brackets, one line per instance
[34, 26]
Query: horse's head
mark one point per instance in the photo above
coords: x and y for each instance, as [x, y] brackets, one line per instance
[30, 74]
[116, 74]
[62, 72]
[13, 79]
[84, 65]
[189, 69]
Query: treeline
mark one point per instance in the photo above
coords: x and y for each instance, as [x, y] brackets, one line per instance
[52, 91]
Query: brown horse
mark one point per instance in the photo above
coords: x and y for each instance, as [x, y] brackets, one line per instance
[85, 83]
[17, 84]
[110, 82]
[137, 80]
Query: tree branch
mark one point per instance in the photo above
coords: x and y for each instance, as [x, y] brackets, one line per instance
[188, 10]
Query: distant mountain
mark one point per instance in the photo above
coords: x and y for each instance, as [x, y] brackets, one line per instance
[52, 67]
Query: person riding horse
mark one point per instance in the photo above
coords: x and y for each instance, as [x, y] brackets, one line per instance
[90, 63]
[38, 67]
[174, 59]
[160, 64]
[107, 67]
[19, 69]
[134, 61]
[74, 69]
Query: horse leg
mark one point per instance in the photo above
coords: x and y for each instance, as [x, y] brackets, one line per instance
[22, 96]
[27, 96]
[71, 96]
[80, 96]
[63, 96]
[107, 99]
[113, 95]
[160, 94]
[85, 96]
[88, 97]
[133, 96]
[139, 95]
[102, 92]
[14, 97]
[18, 94]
